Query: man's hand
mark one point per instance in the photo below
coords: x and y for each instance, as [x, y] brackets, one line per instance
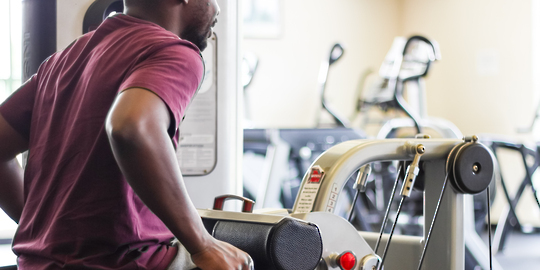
[222, 256]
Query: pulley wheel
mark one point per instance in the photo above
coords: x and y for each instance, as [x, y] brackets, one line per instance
[471, 168]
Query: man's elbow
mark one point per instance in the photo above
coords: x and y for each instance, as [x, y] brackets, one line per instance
[122, 131]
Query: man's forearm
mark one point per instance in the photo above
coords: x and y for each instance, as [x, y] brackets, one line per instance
[11, 188]
[148, 162]
[11, 174]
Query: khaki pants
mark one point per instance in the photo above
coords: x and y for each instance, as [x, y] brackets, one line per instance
[182, 260]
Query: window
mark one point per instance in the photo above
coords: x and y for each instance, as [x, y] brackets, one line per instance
[10, 46]
[10, 80]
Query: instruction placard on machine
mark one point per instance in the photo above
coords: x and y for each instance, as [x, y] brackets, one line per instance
[197, 147]
[310, 190]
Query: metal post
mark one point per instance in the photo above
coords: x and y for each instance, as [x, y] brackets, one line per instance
[447, 245]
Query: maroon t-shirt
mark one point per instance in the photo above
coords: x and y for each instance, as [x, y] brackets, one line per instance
[79, 210]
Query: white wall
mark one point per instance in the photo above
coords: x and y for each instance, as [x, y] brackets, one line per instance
[483, 83]
[284, 91]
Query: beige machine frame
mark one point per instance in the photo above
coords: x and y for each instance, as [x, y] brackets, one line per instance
[447, 247]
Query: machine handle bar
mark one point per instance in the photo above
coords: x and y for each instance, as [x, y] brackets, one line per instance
[247, 206]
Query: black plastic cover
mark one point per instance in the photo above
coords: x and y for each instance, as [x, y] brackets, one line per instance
[39, 34]
[471, 168]
[98, 11]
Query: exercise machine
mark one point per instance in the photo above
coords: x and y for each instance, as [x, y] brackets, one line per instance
[466, 164]
[403, 71]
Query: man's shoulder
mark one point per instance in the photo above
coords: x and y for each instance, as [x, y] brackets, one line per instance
[144, 33]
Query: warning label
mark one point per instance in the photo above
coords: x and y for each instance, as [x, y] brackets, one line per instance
[309, 191]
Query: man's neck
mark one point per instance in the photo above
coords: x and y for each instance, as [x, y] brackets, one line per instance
[165, 18]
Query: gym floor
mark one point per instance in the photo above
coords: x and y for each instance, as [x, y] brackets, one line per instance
[521, 252]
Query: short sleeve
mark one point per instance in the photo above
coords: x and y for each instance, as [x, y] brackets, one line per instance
[17, 109]
[173, 72]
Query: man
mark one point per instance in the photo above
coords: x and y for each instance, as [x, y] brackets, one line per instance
[102, 188]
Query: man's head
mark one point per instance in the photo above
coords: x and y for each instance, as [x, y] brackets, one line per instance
[199, 18]
[191, 20]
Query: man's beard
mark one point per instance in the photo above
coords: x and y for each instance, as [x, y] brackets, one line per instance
[191, 34]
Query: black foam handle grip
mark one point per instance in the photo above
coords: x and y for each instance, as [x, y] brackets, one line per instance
[290, 244]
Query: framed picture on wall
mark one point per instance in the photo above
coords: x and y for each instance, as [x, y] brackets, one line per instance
[261, 18]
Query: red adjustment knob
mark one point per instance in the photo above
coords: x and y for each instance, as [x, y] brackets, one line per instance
[346, 260]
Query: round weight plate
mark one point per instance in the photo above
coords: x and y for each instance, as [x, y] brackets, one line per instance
[473, 168]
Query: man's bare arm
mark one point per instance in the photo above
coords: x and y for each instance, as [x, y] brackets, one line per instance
[11, 173]
[137, 128]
